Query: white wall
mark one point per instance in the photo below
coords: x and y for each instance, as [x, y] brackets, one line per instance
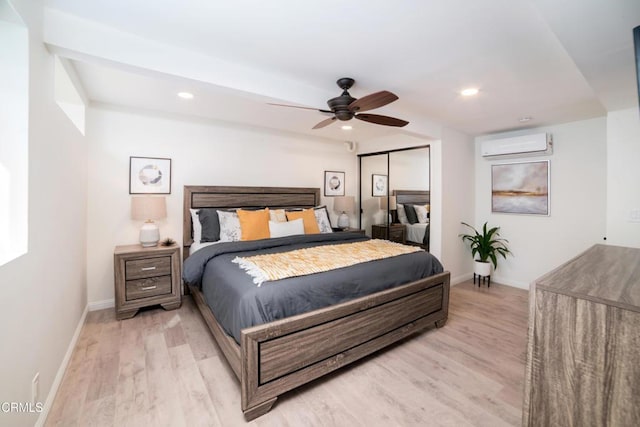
[577, 203]
[457, 199]
[623, 177]
[202, 153]
[43, 293]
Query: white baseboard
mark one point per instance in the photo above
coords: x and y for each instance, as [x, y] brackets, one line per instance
[61, 370]
[99, 305]
[459, 279]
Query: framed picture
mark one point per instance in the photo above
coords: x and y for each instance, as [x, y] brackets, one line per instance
[378, 185]
[149, 175]
[520, 188]
[333, 183]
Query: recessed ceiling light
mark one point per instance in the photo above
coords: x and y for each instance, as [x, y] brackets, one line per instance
[525, 119]
[185, 95]
[469, 91]
[347, 127]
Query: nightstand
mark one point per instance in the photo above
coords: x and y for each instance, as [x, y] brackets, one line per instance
[397, 232]
[146, 276]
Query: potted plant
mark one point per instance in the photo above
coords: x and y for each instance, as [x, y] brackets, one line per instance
[487, 245]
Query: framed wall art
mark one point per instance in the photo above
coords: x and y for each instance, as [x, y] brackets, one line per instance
[378, 185]
[149, 175]
[333, 183]
[520, 188]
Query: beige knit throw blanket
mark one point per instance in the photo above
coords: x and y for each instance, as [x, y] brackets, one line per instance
[318, 259]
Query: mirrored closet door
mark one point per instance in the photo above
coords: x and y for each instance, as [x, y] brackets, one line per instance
[395, 195]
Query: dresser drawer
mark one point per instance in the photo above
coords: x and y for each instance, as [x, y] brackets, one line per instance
[150, 287]
[147, 267]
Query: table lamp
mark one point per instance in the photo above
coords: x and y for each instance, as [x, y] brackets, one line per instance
[344, 205]
[148, 209]
[391, 202]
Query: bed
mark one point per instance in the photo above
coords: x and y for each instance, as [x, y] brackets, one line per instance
[419, 233]
[273, 358]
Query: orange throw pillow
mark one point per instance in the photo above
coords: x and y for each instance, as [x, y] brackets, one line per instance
[308, 219]
[254, 224]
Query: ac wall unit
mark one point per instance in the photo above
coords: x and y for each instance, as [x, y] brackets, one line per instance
[537, 144]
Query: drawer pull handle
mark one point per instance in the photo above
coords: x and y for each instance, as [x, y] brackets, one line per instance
[147, 268]
[148, 288]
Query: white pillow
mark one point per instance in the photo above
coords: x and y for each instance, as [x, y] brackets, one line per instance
[230, 230]
[422, 213]
[195, 224]
[402, 214]
[322, 218]
[290, 228]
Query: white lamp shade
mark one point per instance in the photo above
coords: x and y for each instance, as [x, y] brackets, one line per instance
[343, 204]
[148, 208]
[392, 203]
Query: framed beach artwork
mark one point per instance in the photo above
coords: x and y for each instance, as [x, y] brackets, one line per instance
[378, 185]
[520, 188]
[333, 183]
[149, 175]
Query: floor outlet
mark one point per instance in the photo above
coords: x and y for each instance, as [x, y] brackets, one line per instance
[35, 388]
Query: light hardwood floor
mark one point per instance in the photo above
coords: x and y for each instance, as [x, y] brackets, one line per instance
[163, 368]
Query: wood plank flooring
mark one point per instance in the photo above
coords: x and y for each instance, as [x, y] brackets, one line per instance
[163, 368]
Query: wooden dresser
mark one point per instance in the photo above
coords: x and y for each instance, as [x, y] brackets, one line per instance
[583, 356]
[146, 276]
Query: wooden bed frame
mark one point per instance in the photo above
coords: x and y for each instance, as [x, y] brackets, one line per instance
[279, 356]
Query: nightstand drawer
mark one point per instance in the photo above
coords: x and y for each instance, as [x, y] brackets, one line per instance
[150, 287]
[396, 235]
[147, 267]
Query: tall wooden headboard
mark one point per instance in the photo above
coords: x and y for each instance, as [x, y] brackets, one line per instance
[198, 196]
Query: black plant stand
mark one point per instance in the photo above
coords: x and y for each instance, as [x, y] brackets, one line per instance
[483, 278]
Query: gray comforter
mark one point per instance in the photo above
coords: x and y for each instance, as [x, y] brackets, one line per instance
[237, 303]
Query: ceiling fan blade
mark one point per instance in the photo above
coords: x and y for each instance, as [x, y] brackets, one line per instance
[375, 100]
[297, 106]
[324, 123]
[381, 120]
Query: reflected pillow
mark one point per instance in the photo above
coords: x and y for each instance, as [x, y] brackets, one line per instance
[402, 214]
[412, 217]
[422, 212]
[290, 228]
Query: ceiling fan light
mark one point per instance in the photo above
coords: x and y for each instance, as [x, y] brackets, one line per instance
[347, 127]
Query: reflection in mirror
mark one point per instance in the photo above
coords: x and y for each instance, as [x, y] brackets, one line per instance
[407, 188]
[370, 204]
[410, 184]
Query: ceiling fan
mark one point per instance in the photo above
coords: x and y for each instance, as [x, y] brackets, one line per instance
[345, 107]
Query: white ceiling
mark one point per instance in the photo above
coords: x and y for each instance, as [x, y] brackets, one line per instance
[553, 61]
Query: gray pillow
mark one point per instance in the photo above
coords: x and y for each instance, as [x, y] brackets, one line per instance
[412, 216]
[210, 225]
